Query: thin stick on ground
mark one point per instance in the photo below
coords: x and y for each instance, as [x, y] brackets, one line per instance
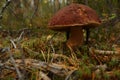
[53, 50]
[21, 77]
[14, 45]
[20, 37]
[52, 47]
[103, 52]
[21, 50]
[14, 64]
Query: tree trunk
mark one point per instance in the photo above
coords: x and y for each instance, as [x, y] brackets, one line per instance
[56, 5]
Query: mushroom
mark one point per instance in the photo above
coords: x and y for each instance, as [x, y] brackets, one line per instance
[73, 19]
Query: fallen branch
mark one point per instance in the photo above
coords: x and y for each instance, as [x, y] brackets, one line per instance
[102, 52]
[63, 70]
[57, 69]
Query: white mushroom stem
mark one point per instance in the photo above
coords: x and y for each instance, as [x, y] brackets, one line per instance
[76, 37]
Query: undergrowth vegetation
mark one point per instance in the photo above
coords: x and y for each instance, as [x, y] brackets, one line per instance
[52, 49]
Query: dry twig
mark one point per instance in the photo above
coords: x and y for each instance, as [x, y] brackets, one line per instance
[14, 64]
[43, 76]
[60, 70]
[4, 7]
[52, 47]
[103, 52]
[14, 45]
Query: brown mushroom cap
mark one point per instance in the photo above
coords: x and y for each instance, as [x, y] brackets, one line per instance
[74, 15]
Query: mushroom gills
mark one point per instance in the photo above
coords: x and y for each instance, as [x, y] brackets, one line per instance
[75, 38]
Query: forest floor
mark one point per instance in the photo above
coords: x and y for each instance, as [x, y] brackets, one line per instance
[38, 54]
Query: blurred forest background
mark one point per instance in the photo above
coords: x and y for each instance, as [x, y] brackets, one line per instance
[36, 13]
[32, 16]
